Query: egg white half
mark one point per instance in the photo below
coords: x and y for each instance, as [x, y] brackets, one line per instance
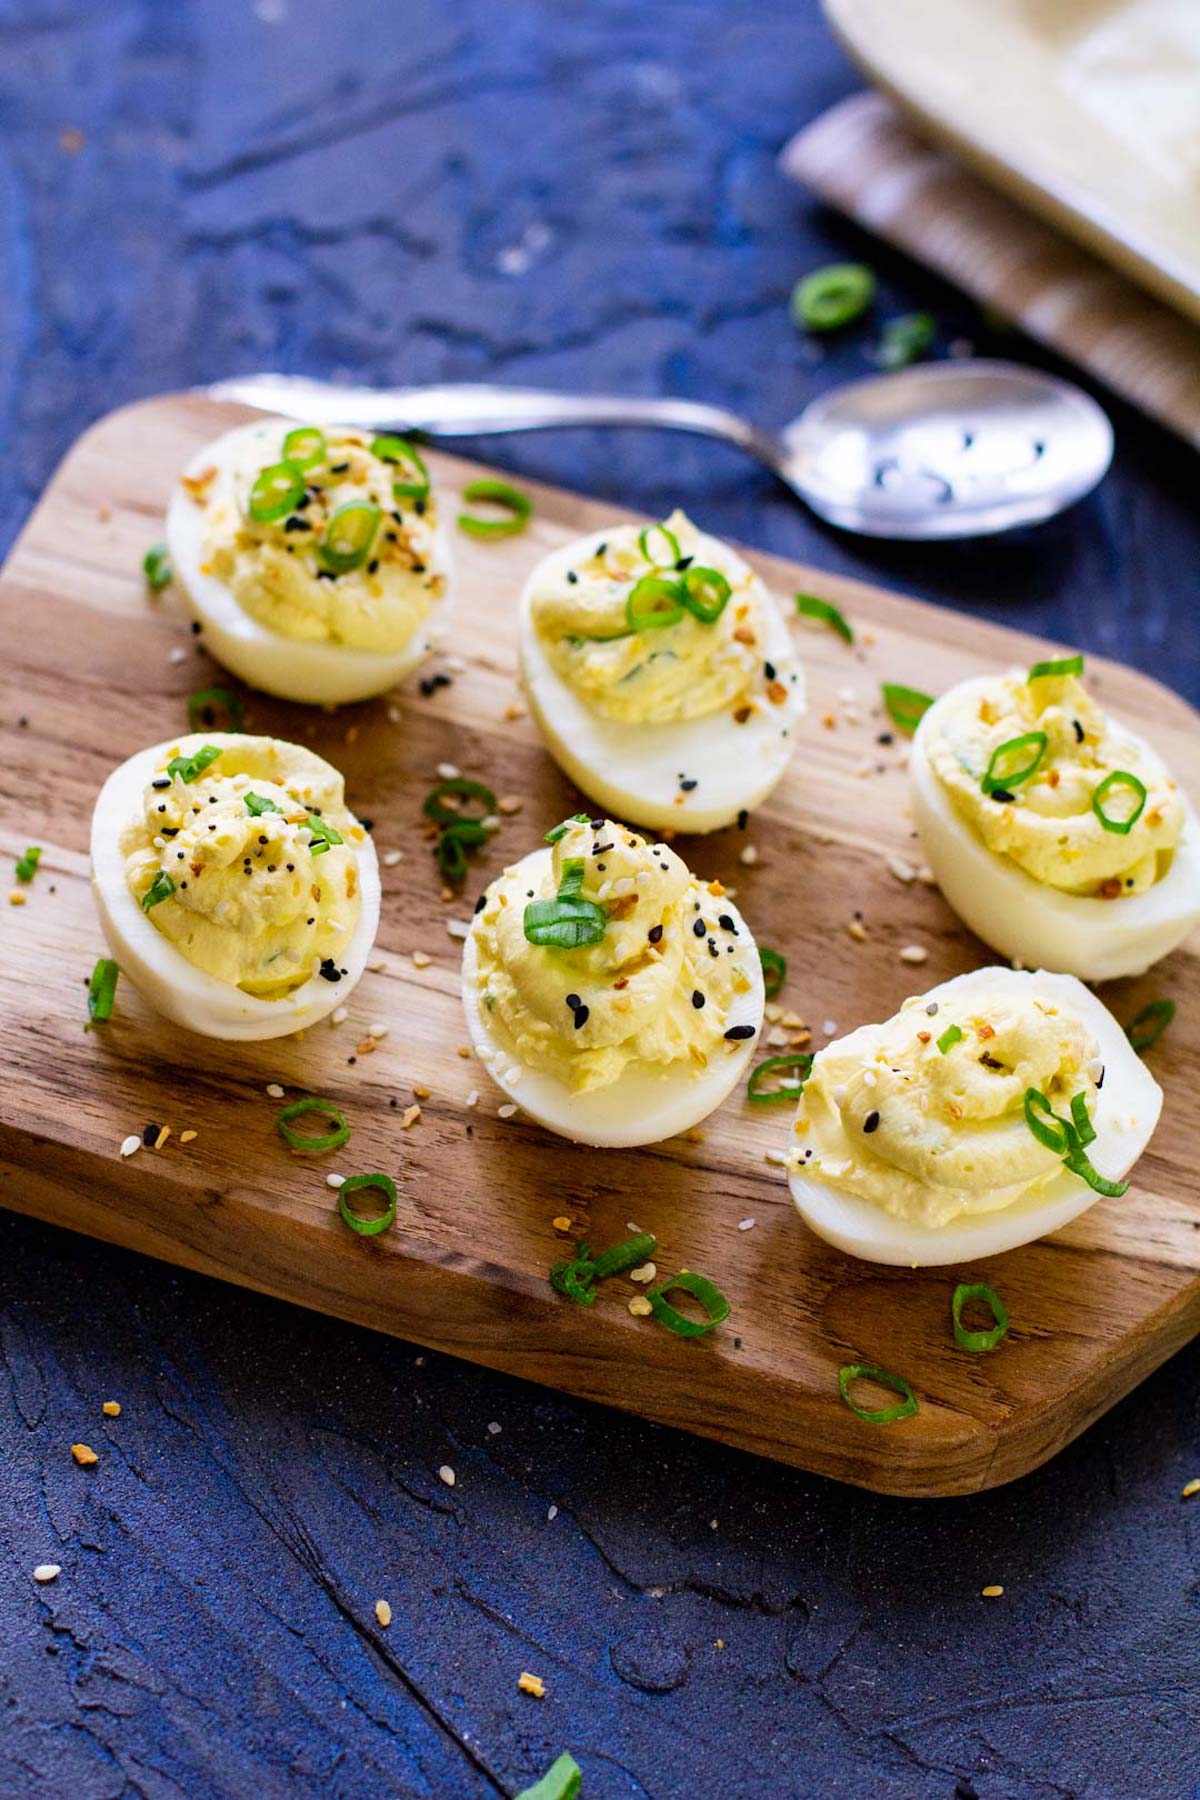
[1125, 1115]
[321, 674]
[175, 987]
[1076, 934]
[633, 771]
[641, 1107]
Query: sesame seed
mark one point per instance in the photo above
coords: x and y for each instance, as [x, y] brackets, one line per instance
[47, 1572]
[274, 1090]
[446, 1474]
[495, 1428]
[339, 1015]
[458, 928]
[646, 1272]
[335, 1181]
[748, 856]
[1192, 1487]
[505, 1112]
[914, 953]
[131, 1143]
[448, 771]
[391, 858]
[383, 1613]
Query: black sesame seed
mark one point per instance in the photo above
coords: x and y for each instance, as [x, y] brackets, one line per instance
[338, 468]
[150, 1134]
[932, 1008]
[871, 1122]
[418, 568]
[697, 999]
[700, 928]
[572, 577]
[725, 921]
[689, 784]
[373, 566]
[161, 781]
[1100, 1081]
[581, 1016]
[296, 523]
[1078, 731]
[329, 970]
[743, 819]
[886, 737]
[769, 671]
[481, 903]
[655, 934]
[738, 1032]
[574, 1002]
[712, 947]
[1003, 794]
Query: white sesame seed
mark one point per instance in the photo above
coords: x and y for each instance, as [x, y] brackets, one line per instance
[378, 1031]
[178, 654]
[378, 967]
[448, 771]
[746, 1224]
[495, 1428]
[458, 928]
[903, 871]
[335, 1181]
[505, 1112]
[552, 1513]
[446, 1474]
[420, 960]
[646, 1272]
[777, 1158]
[748, 856]
[914, 953]
[394, 715]
[47, 1572]
[391, 858]
[456, 665]
[339, 1015]
[829, 1027]
[274, 1090]
[483, 1052]
[473, 1097]
[926, 876]
[130, 1144]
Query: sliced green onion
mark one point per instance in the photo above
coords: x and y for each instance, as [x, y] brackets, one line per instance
[560, 831]
[811, 606]
[562, 1781]
[305, 447]
[652, 602]
[1120, 778]
[1045, 1123]
[570, 884]
[569, 924]
[1085, 1131]
[414, 484]
[453, 845]
[276, 491]
[774, 968]
[906, 706]
[1061, 665]
[299, 1140]
[373, 1223]
[761, 1096]
[1031, 744]
[577, 1278]
[160, 889]
[1148, 1026]
[258, 804]
[705, 593]
[978, 1341]
[885, 1415]
[716, 1306]
[463, 786]
[27, 865]
[500, 493]
[906, 339]
[156, 567]
[190, 768]
[833, 296]
[102, 990]
[952, 1035]
[645, 539]
[1077, 1161]
[349, 535]
[324, 835]
[202, 704]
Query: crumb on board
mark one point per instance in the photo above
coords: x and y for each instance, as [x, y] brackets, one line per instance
[383, 1613]
[111, 1409]
[531, 1684]
[84, 1455]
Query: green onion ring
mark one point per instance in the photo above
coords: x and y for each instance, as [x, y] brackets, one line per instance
[567, 924]
[276, 490]
[760, 1096]
[190, 768]
[391, 449]
[349, 536]
[433, 808]
[297, 1140]
[205, 699]
[715, 1305]
[673, 551]
[1068, 1144]
[774, 968]
[305, 447]
[453, 845]
[832, 297]
[500, 493]
[1045, 1123]
[705, 593]
[1085, 1131]
[160, 889]
[562, 1781]
[905, 339]
[1119, 778]
[1062, 665]
[1079, 1164]
[372, 1225]
[560, 831]
[1148, 1026]
[952, 1035]
[258, 804]
[570, 884]
[1028, 740]
[102, 990]
[811, 606]
[157, 567]
[884, 1377]
[653, 602]
[577, 1279]
[978, 1341]
[906, 706]
[27, 865]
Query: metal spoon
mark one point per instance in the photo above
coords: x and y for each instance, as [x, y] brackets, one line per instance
[940, 450]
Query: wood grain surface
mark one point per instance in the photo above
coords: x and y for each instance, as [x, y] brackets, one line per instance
[92, 670]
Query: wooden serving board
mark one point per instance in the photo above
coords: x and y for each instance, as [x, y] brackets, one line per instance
[92, 667]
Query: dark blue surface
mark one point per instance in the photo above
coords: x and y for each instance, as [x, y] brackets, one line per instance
[579, 194]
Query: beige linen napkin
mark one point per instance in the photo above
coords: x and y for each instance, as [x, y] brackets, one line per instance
[865, 159]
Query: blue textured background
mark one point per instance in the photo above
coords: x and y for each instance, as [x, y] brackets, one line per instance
[585, 194]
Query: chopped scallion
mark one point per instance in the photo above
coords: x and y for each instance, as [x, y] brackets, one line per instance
[710, 1298]
[461, 786]
[160, 889]
[102, 990]
[1006, 771]
[653, 602]
[305, 447]
[1061, 665]
[952, 1035]
[1146, 1027]
[322, 834]
[27, 865]
[811, 606]
[499, 493]
[833, 296]
[190, 768]
[978, 1341]
[646, 544]
[413, 483]
[308, 1144]
[562, 1781]
[156, 567]
[799, 1061]
[577, 1278]
[906, 339]
[276, 491]
[884, 1415]
[204, 704]
[774, 968]
[1120, 778]
[906, 706]
[705, 593]
[373, 1223]
[349, 536]
[258, 804]
[560, 831]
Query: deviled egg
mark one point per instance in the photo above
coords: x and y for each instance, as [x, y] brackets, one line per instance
[613, 996]
[313, 559]
[661, 674]
[1055, 833]
[986, 1113]
[236, 890]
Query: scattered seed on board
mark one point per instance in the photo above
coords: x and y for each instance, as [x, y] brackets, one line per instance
[495, 1428]
[639, 1306]
[446, 1474]
[421, 961]
[131, 1143]
[339, 1015]
[473, 1097]
[391, 858]
[914, 953]
[47, 1572]
[448, 771]
[335, 1181]
[645, 1273]
[377, 1031]
[188, 1137]
[505, 1112]
[274, 1090]
[458, 928]
[552, 1513]
[411, 1115]
[749, 856]
[746, 1224]
[383, 1613]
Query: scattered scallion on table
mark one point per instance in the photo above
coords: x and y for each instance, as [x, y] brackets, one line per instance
[833, 296]
[576, 1279]
[156, 567]
[517, 509]
[205, 704]
[798, 1064]
[906, 706]
[905, 340]
[562, 1781]
[811, 606]
[367, 1224]
[978, 1341]
[102, 990]
[774, 968]
[1147, 1026]
[884, 1415]
[27, 865]
[311, 1143]
[709, 1297]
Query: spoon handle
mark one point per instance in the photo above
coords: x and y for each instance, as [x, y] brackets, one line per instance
[477, 409]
